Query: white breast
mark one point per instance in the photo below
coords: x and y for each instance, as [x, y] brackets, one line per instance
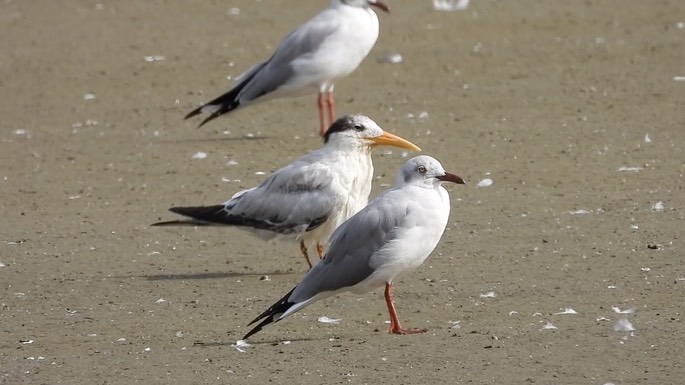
[413, 244]
[354, 186]
[342, 52]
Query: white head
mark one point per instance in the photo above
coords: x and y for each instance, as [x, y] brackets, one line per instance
[425, 171]
[360, 132]
[364, 4]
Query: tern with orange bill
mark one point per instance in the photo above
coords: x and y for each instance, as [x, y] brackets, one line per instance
[309, 198]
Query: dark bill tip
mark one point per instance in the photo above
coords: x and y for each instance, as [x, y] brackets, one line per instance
[452, 178]
[380, 5]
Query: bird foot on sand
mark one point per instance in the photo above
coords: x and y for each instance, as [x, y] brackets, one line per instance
[407, 331]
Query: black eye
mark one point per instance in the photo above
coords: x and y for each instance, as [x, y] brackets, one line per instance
[359, 127]
[421, 169]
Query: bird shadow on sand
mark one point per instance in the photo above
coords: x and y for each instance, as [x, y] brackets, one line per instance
[212, 275]
[202, 344]
[255, 138]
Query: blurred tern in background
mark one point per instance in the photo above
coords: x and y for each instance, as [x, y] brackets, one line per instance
[324, 49]
[312, 196]
[394, 233]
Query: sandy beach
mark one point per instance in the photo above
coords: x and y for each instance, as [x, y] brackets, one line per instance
[575, 110]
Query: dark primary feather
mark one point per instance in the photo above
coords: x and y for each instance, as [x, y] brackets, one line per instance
[212, 214]
[271, 314]
[218, 215]
[183, 222]
[200, 216]
[226, 102]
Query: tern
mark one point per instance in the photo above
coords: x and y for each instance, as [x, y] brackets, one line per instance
[310, 197]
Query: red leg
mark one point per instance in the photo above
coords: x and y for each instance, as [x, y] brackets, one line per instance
[395, 327]
[319, 250]
[303, 249]
[323, 126]
[331, 107]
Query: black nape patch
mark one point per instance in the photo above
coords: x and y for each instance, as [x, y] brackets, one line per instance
[342, 124]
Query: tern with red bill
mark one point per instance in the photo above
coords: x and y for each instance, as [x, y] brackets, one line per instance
[394, 233]
[314, 56]
[309, 198]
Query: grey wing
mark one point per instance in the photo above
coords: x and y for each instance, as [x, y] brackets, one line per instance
[352, 246]
[278, 70]
[295, 199]
[249, 72]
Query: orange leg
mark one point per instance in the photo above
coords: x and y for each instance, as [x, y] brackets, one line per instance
[303, 249]
[331, 107]
[319, 250]
[395, 327]
[323, 125]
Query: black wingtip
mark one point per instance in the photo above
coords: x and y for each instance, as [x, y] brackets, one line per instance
[194, 112]
[226, 102]
[259, 327]
[211, 117]
[201, 213]
[220, 111]
[200, 216]
[180, 222]
[272, 314]
[223, 104]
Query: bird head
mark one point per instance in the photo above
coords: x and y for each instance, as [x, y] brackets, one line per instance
[426, 171]
[359, 131]
[366, 4]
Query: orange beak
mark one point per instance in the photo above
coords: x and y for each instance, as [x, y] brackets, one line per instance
[388, 139]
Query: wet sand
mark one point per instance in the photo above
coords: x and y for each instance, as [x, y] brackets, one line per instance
[550, 100]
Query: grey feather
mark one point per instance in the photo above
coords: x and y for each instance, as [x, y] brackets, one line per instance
[296, 198]
[278, 70]
[358, 239]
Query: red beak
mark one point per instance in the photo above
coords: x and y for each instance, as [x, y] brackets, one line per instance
[451, 178]
[380, 5]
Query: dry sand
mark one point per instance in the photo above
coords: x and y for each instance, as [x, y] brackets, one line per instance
[549, 99]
